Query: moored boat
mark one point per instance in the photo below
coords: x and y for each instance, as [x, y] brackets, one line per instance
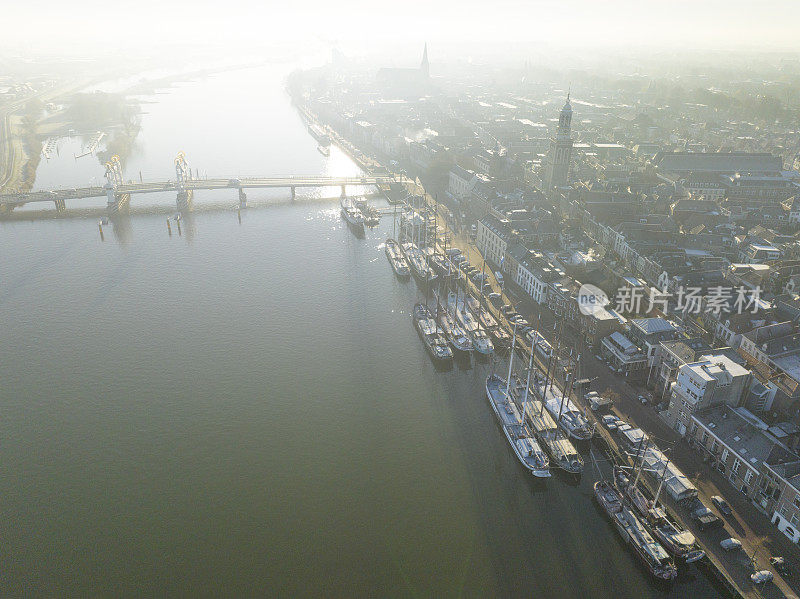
[396, 259]
[562, 452]
[431, 336]
[500, 336]
[527, 450]
[567, 415]
[678, 542]
[525, 447]
[419, 265]
[480, 340]
[649, 551]
[454, 332]
[441, 265]
[352, 214]
[608, 497]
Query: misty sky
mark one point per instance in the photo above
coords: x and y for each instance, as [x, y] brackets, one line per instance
[672, 23]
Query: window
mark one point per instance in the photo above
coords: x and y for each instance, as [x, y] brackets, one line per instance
[736, 464]
[714, 446]
[797, 501]
[725, 455]
[748, 476]
[704, 437]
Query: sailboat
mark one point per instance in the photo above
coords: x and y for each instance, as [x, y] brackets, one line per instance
[562, 451]
[677, 541]
[480, 340]
[527, 450]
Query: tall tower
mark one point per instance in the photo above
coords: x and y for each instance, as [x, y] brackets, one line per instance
[560, 154]
[425, 66]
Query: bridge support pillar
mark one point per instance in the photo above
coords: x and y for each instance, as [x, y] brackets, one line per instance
[294, 192]
[344, 191]
[61, 205]
[184, 200]
[242, 198]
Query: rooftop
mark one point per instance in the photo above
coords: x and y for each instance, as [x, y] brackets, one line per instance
[744, 434]
[650, 326]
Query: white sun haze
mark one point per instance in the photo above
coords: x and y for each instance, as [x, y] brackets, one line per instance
[570, 23]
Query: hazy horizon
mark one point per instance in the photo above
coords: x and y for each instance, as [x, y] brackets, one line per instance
[361, 28]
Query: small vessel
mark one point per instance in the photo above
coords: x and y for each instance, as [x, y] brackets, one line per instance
[562, 452]
[431, 336]
[352, 214]
[480, 340]
[649, 551]
[567, 415]
[396, 259]
[441, 265]
[324, 150]
[419, 265]
[526, 448]
[455, 333]
[528, 451]
[678, 542]
[485, 318]
[608, 497]
[500, 336]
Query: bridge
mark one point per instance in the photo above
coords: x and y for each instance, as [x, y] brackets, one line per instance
[118, 193]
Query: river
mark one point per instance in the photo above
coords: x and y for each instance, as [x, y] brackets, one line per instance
[245, 409]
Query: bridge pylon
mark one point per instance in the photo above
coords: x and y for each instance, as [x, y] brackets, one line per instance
[115, 202]
[242, 198]
[183, 174]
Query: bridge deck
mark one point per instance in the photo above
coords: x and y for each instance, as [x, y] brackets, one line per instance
[16, 199]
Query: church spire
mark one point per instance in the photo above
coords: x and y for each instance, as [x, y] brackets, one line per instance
[425, 66]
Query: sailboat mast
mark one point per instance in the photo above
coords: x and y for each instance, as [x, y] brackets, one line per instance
[661, 483]
[641, 464]
[510, 362]
[527, 386]
[565, 393]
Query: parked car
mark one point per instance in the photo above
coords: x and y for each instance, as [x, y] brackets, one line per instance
[703, 515]
[499, 276]
[506, 308]
[495, 298]
[610, 422]
[721, 505]
[730, 544]
[781, 566]
[643, 399]
[761, 577]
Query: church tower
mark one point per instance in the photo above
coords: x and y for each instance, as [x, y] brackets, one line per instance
[425, 66]
[560, 153]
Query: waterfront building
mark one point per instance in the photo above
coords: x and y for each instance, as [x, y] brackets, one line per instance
[493, 235]
[756, 458]
[713, 380]
[624, 356]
